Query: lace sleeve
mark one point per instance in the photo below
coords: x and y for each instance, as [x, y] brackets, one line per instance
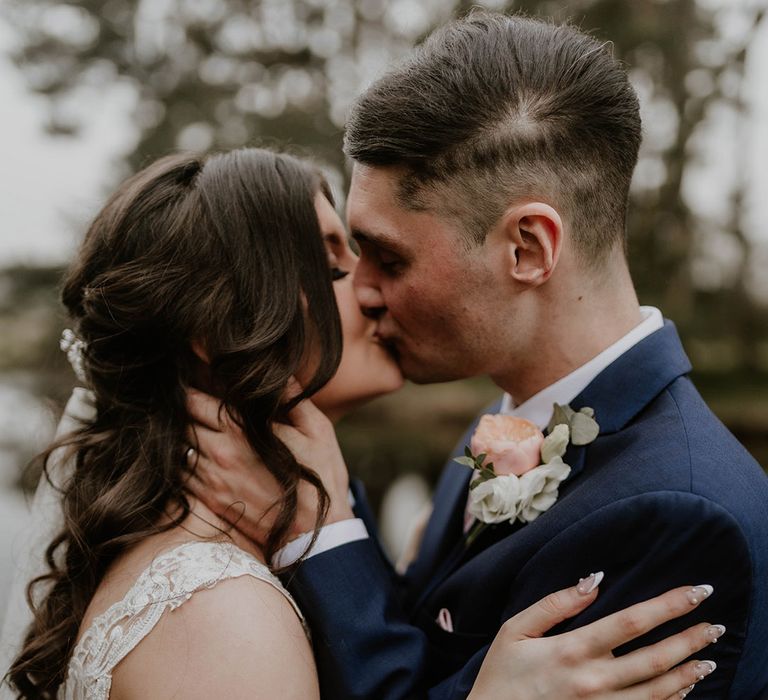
[171, 580]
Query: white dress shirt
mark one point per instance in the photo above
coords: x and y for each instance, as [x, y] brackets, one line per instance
[537, 409]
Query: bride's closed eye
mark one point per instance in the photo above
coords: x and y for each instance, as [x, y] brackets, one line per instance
[338, 274]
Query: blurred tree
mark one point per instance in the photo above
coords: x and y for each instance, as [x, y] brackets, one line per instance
[215, 73]
[224, 73]
[685, 65]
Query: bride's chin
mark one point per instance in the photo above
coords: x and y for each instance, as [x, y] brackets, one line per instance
[340, 397]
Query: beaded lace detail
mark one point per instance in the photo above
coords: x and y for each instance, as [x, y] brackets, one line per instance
[168, 582]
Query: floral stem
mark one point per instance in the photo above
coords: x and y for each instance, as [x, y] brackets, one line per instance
[474, 532]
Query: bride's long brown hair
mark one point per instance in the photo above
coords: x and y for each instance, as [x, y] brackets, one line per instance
[225, 251]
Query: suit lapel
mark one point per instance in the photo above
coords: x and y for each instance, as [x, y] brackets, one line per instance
[632, 381]
[624, 388]
[445, 526]
[618, 394]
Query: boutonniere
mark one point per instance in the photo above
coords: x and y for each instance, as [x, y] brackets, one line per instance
[518, 469]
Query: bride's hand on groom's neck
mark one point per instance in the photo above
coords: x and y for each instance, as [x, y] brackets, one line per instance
[233, 482]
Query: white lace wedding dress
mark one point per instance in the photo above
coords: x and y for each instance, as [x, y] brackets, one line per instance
[172, 578]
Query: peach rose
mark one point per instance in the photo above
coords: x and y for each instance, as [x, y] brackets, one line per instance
[512, 444]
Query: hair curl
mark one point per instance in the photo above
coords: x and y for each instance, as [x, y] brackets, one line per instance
[225, 251]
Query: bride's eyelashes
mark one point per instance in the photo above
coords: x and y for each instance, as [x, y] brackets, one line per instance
[338, 274]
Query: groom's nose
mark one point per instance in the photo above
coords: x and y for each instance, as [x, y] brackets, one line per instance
[368, 295]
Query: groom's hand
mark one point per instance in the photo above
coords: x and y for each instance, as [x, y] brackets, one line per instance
[231, 480]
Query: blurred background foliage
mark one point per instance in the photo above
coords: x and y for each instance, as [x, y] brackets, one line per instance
[216, 74]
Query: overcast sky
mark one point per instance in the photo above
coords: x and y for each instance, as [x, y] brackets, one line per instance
[50, 187]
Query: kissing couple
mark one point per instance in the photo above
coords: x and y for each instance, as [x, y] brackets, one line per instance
[598, 529]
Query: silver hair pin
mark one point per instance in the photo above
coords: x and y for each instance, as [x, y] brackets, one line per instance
[75, 349]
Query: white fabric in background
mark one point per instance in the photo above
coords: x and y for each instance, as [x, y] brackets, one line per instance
[44, 525]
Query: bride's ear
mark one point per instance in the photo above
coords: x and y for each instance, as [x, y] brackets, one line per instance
[533, 237]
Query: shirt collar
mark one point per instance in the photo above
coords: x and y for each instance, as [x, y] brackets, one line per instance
[538, 409]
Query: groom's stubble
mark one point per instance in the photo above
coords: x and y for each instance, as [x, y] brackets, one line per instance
[417, 278]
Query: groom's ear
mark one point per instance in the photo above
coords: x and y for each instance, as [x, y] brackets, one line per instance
[533, 239]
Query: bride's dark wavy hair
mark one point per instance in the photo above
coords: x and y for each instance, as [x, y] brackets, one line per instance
[225, 251]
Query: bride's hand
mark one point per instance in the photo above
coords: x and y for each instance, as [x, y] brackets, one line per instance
[231, 480]
[523, 665]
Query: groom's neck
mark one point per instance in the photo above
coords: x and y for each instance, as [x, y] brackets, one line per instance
[571, 326]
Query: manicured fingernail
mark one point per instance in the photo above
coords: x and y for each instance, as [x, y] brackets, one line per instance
[714, 632]
[699, 593]
[587, 585]
[704, 668]
[684, 692]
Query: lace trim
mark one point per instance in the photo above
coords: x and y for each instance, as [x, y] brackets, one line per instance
[168, 582]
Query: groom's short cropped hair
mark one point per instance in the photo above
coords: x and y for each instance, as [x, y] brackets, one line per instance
[492, 108]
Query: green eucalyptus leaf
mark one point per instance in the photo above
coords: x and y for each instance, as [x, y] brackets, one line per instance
[481, 478]
[583, 429]
[466, 461]
[467, 452]
[489, 467]
[561, 415]
[555, 443]
[480, 459]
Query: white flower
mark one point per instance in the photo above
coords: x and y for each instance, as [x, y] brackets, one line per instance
[75, 350]
[496, 500]
[509, 493]
[508, 498]
[539, 488]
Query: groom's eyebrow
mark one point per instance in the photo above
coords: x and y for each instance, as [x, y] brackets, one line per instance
[379, 239]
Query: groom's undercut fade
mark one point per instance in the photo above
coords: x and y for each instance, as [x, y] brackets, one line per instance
[494, 108]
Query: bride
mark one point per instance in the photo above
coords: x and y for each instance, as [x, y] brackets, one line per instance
[229, 274]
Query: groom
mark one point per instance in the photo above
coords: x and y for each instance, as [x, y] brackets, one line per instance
[489, 194]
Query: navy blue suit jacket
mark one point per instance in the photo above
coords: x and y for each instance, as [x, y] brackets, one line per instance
[664, 497]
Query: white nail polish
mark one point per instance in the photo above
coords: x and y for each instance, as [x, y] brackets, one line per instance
[704, 668]
[714, 632]
[587, 585]
[699, 593]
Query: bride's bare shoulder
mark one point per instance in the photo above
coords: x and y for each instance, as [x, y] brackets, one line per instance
[239, 639]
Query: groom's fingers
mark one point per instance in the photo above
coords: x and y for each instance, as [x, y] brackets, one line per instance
[614, 630]
[215, 445]
[204, 480]
[207, 410]
[194, 433]
[649, 662]
[306, 417]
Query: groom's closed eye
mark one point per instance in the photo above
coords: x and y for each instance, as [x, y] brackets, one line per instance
[388, 261]
[384, 260]
[379, 252]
